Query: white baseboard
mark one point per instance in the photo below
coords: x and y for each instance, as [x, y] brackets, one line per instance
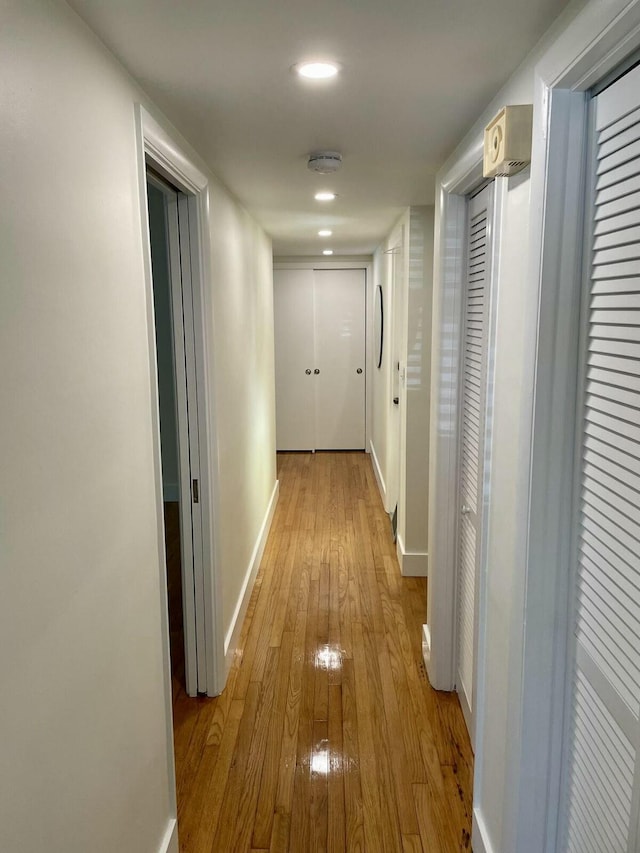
[480, 842]
[233, 634]
[412, 565]
[426, 646]
[170, 493]
[170, 841]
[426, 657]
[379, 478]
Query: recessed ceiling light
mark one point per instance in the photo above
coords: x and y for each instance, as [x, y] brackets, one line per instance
[325, 233]
[327, 252]
[317, 70]
[324, 196]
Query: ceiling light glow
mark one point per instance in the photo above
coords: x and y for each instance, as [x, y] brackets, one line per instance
[327, 252]
[325, 233]
[324, 196]
[317, 70]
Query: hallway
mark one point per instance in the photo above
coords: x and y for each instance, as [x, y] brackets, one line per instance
[328, 735]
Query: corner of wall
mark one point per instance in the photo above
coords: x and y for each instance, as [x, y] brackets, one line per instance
[412, 564]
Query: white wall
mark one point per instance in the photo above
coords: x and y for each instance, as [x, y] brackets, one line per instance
[403, 266]
[380, 377]
[85, 757]
[242, 271]
[390, 272]
[415, 395]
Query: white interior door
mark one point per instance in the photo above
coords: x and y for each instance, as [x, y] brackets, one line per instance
[320, 324]
[601, 787]
[294, 329]
[471, 467]
[340, 319]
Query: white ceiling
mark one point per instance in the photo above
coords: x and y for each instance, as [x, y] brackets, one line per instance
[416, 74]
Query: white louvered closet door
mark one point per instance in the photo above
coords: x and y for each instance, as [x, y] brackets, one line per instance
[470, 467]
[602, 773]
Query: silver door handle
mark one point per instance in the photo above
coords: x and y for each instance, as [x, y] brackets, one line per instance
[308, 371]
[465, 509]
[316, 371]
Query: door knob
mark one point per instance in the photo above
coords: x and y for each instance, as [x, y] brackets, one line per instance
[359, 370]
[316, 371]
[465, 509]
[308, 371]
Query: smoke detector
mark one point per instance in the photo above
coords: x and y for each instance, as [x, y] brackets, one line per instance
[324, 162]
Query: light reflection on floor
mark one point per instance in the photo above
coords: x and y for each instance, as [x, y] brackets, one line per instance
[320, 759]
[328, 657]
[324, 760]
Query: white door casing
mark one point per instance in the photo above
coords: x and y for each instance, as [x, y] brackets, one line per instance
[472, 407]
[600, 803]
[157, 149]
[320, 345]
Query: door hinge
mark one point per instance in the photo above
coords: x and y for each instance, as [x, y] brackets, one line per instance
[194, 488]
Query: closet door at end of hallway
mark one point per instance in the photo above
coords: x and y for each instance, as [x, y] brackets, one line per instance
[600, 804]
[471, 453]
[294, 359]
[340, 312]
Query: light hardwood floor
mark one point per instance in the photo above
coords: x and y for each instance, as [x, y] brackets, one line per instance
[327, 735]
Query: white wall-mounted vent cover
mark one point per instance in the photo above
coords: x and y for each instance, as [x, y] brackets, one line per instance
[507, 141]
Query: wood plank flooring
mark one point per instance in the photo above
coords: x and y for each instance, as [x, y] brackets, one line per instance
[327, 736]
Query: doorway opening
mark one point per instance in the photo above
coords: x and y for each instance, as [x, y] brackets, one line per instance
[179, 432]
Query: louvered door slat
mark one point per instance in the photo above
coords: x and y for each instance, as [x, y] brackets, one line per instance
[602, 783]
[622, 139]
[620, 236]
[616, 166]
[615, 222]
[612, 131]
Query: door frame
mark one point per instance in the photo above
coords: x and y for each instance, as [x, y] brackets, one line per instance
[352, 263]
[180, 290]
[155, 146]
[440, 633]
[470, 710]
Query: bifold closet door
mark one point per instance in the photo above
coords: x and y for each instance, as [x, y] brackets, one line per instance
[471, 454]
[601, 784]
[340, 315]
[320, 323]
[294, 359]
